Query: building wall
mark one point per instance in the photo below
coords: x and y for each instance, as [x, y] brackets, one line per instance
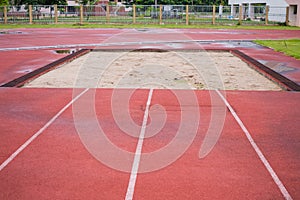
[294, 16]
[294, 19]
[277, 10]
[293, 2]
[282, 3]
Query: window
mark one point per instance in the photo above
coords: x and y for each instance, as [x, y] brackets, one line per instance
[295, 9]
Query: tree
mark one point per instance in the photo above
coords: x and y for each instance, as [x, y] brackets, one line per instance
[88, 2]
[54, 2]
[163, 2]
[127, 2]
[177, 2]
[215, 2]
[41, 2]
[4, 2]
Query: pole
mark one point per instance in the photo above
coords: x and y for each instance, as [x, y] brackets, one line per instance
[214, 15]
[30, 14]
[187, 15]
[287, 16]
[240, 14]
[107, 13]
[134, 14]
[160, 14]
[267, 14]
[81, 14]
[5, 15]
[55, 14]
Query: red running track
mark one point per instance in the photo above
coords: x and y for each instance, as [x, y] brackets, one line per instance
[47, 37]
[57, 164]
[63, 161]
[16, 63]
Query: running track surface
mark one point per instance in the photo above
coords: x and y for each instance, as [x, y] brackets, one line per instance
[58, 164]
[17, 63]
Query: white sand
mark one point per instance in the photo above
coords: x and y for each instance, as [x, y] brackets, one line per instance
[175, 70]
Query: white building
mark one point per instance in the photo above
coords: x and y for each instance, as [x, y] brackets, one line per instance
[277, 11]
[294, 12]
[72, 3]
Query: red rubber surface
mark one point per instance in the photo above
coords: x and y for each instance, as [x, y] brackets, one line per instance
[274, 124]
[58, 164]
[25, 111]
[45, 37]
[16, 63]
[279, 62]
[232, 170]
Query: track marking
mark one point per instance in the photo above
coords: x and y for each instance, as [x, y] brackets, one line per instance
[32, 138]
[119, 44]
[138, 151]
[276, 179]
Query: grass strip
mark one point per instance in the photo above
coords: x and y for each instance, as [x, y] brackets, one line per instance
[290, 47]
[177, 26]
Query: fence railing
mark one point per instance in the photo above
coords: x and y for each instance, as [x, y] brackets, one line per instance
[144, 14]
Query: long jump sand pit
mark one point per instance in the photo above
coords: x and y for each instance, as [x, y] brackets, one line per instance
[156, 69]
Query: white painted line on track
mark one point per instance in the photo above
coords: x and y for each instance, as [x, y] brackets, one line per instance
[32, 138]
[276, 179]
[138, 151]
[119, 44]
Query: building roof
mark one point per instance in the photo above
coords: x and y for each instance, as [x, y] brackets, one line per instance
[269, 2]
[293, 2]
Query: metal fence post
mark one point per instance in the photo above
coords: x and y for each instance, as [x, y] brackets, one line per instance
[81, 14]
[214, 15]
[134, 13]
[107, 13]
[30, 14]
[33, 16]
[267, 14]
[187, 15]
[66, 11]
[287, 16]
[55, 14]
[160, 14]
[5, 15]
[240, 14]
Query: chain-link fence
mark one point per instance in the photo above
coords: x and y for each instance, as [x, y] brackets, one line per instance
[200, 14]
[254, 14]
[144, 14]
[14, 14]
[277, 15]
[68, 14]
[227, 15]
[43, 14]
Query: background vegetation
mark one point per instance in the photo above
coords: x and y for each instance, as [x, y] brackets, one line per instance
[127, 2]
[289, 47]
[142, 26]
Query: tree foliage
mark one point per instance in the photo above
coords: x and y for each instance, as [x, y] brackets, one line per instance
[177, 2]
[127, 2]
[41, 2]
[4, 2]
[88, 2]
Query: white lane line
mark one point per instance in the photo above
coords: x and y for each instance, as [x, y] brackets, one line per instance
[138, 151]
[114, 44]
[276, 179]
[32, 138]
